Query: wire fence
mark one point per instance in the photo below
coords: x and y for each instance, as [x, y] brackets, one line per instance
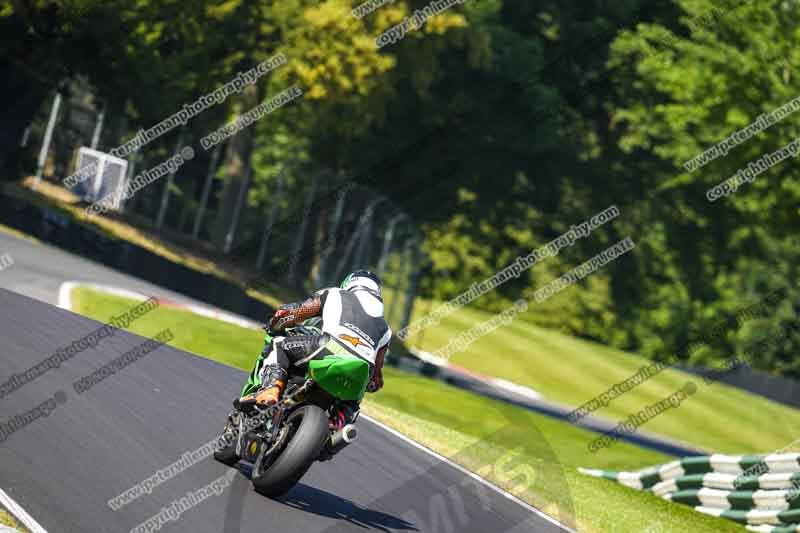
[299, 227]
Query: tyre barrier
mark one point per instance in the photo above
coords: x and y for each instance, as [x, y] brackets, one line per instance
[759, 491]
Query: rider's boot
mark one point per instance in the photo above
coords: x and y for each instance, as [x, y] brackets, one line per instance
[271, 392]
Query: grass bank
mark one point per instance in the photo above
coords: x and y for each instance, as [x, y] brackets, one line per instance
[572, 371]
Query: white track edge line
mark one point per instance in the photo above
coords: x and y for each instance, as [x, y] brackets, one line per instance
[466, 472]
[16, 510]
[65, 295]
[65, 302]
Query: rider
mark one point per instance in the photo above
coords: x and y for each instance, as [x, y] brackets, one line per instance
[352, 317]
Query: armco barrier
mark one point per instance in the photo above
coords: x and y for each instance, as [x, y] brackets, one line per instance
[760, 491]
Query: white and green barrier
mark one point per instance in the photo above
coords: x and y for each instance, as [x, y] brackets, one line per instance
[775, 529]
[760, 491]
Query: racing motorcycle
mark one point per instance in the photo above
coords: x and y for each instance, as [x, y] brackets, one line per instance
[283, 441]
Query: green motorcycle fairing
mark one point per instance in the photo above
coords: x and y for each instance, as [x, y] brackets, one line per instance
[341, 374]
[343, 377]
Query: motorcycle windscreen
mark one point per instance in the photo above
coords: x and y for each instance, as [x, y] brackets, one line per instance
[343, 377]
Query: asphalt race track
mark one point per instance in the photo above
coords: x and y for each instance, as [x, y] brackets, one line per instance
[63, 468]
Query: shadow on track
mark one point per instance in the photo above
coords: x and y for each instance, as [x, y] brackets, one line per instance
[323, 503]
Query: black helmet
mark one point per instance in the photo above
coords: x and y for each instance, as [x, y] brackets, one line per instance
[362, 279]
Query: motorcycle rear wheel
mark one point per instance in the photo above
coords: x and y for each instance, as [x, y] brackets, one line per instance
[308, 433]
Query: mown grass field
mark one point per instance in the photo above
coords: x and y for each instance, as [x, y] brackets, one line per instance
[572, 371]
[475, 432]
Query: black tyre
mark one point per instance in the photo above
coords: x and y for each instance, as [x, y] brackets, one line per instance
[308, 428]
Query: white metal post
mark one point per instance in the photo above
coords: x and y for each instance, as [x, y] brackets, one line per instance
[273, 210]
[366, 235]
[387, 244]
[238, 209]
[162, 211]
[413, 283]
[322, 271]
[206, 191]
[301, 234]
[48, 136]
[98, 128]
[360, 232]
[25, 135]
[98, 177]
[126, 182]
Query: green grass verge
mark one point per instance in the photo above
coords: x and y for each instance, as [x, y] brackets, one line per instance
[472, 430]
[233, 345]
[6, 519]
[572, 371]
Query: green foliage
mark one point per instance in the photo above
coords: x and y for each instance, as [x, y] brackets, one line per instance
[496, 126]
[683, 89]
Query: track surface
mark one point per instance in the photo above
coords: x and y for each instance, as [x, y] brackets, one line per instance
[63, 468]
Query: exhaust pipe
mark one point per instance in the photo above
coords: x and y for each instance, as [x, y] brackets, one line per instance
[342, 438]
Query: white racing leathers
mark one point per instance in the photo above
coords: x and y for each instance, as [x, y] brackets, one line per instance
[355, 320]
